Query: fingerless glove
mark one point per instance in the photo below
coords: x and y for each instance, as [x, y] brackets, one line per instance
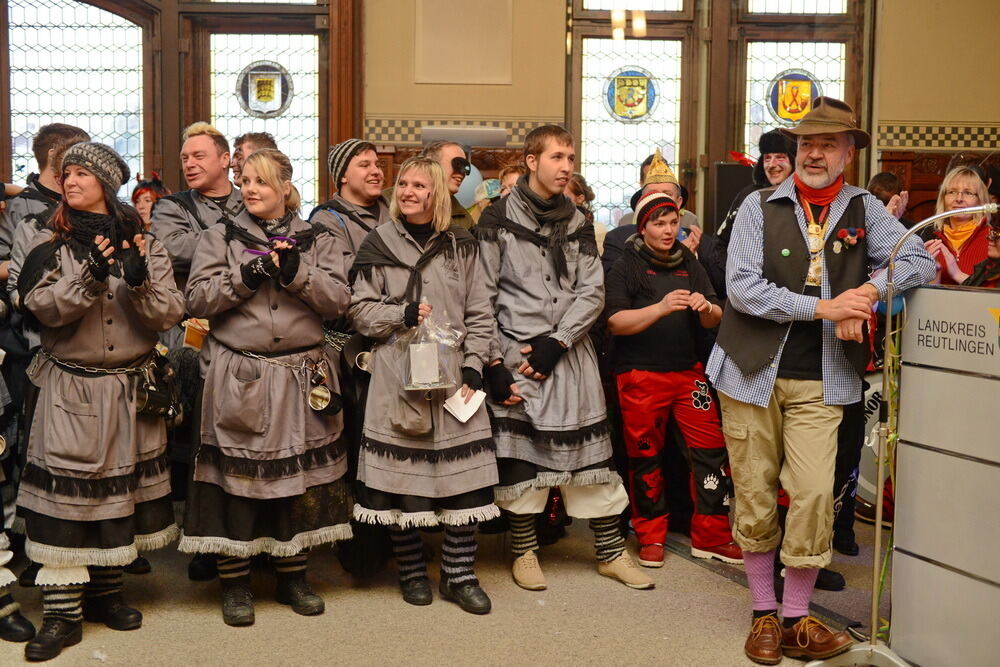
[258, 271]
[471, 378]
[498, 381]
[545, 354]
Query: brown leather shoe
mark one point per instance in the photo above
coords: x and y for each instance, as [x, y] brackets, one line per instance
[764, 643]
[809, 638]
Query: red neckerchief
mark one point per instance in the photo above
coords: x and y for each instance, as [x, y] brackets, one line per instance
[817, 197]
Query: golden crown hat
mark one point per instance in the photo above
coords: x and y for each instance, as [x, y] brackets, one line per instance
[659, 171]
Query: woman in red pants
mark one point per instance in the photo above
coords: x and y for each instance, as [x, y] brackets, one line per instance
[658, 296]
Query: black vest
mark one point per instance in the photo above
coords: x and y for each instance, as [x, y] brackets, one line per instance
[752, 342]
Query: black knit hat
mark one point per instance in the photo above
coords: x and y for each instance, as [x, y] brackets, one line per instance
[650, 204]
[100, 160]
[776, 142]
[340, 156]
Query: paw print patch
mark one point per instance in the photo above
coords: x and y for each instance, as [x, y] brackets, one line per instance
[711, 482]
[700, 398]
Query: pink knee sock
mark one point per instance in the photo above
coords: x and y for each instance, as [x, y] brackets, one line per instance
[799, 584]
[760, 577]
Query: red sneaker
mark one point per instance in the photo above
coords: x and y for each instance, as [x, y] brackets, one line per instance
[651, 555]
[727, 553]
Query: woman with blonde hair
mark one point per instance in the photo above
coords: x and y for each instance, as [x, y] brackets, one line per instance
[959, 243]
[419, 465]
[268, 473]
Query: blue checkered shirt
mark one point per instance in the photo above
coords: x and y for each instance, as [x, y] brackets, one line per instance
[751, 293]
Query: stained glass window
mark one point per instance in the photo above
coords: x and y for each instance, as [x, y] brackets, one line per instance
[296, 130]
[798, 6]
[73, 63]
[822, 63]
[631, 104]
[647, 5]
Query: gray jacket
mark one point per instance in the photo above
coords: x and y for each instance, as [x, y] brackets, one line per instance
[180, 231]
[349, 223]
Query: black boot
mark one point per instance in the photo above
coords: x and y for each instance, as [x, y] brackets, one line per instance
[294, 590]
[139, 566]
[417, 591]
[469, 596]
[202, 567]
[112, 611]
[56, 633]
[27, 578]
[237, 603]
[16, 628]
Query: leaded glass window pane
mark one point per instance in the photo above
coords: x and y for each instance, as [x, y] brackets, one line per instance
[798, 6]
[296, 130]
[647, 5]
[73, 63]
[612, 146]
[824, 62]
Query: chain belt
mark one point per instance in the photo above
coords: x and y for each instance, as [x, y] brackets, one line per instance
[95, 371]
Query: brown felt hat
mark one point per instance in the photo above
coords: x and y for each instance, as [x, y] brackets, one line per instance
[830, 116]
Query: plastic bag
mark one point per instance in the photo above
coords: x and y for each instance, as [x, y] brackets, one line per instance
[430, 354]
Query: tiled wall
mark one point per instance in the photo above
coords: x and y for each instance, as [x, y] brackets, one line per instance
[935, 137]
[406, 131]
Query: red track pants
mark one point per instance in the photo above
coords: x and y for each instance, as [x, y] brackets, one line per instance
[648, 400]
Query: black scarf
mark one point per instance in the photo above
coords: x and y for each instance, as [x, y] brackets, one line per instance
[85, 226]
[638, 257]
[984, 272]
[374, 252]
[56, 197]
[557, 211]
[274, 227]
[303, 239]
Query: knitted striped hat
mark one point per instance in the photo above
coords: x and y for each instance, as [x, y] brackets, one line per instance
[100, 160]
[650, 204]
[340, 156]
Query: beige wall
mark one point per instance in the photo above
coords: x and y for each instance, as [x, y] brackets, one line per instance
[937, 61]
[537, 90]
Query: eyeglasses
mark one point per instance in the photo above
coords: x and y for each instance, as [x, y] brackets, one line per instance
[964, 193]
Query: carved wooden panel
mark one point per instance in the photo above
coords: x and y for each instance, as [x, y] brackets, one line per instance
[489, 161]
[922, 174]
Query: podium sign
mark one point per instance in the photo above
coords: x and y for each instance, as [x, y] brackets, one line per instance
[945, 575]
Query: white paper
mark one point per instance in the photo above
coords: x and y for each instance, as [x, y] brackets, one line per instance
[461, 410]
[424, 363]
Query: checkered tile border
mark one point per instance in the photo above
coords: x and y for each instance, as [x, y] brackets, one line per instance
[938, 137]
[407, 131]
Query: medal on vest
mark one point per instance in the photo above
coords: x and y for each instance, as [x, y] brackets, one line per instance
[816, 233]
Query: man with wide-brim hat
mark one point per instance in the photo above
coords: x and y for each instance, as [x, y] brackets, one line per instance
[790, 354]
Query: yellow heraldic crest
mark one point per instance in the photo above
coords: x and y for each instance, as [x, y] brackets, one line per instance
[631, 96]
[659, 171]
[791, 94]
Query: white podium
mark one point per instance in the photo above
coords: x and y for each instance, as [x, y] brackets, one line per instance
[946, 559]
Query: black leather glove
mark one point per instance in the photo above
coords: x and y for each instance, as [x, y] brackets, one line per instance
[290, 260]
[545, 354]
[134, 267]
[498, 381]
[471, 378]
[98, 263]
[411, 313]
[258, 271]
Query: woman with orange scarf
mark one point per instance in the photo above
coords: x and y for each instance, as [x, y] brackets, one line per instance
[959, 243]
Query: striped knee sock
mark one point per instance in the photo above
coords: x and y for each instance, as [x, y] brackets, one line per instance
[7, 604]
[522, 533]
[104, 581]
[287, 566]
[458, 555]
[408, 550]
[65, 602]
[233, 569]
[608, 542]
